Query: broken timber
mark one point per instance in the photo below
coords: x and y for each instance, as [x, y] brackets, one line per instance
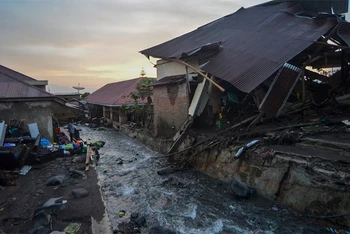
[199, 72]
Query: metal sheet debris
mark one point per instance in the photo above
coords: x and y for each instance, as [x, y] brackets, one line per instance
[280, 90]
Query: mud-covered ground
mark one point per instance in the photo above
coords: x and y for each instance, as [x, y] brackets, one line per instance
[18, 203]
[186, 202]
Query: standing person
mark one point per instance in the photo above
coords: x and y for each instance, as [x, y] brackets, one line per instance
[71, 130]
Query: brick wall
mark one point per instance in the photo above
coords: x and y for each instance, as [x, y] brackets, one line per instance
[171, 104]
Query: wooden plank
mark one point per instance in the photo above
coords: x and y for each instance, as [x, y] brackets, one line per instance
[199, 72]
[87, 159]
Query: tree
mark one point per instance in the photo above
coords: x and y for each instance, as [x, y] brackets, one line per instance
[84, 95]
[143, 91]
[143, 73]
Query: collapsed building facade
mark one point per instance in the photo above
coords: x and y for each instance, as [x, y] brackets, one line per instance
[265, 51]
[24, 100]
[255, 66]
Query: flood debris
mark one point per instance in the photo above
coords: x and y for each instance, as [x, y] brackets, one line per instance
[72, 228]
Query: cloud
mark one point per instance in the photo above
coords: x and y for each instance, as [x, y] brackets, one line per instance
[93, 42]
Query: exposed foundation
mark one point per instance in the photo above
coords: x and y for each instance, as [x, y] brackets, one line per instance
[312, 177]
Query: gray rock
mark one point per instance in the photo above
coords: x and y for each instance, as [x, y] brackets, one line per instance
[239, 189]
[79, 159]
[160, 230]
[77, 174]
[55, 180]
[80, 192]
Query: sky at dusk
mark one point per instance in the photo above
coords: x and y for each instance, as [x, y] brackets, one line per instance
[94, 42]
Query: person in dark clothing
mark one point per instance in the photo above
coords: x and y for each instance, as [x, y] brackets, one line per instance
[71, 130]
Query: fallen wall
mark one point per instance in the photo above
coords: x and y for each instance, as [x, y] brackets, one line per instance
[29, 112]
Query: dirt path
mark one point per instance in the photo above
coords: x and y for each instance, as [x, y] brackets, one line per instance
[18, 203]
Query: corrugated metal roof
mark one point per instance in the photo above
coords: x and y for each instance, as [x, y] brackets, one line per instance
[176, 79]
[15, 87]
[344, 31]
[7, 71]
[280, 90]
[115, 94]
[255, 42]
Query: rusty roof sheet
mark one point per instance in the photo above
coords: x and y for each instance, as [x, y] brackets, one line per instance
[13, 85]
[115, 94]
[255, 42]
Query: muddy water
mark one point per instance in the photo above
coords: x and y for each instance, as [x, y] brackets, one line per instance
[185, 202]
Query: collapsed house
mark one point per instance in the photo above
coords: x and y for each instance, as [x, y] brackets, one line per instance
[112, 101]
[24, 100]
[267, 53]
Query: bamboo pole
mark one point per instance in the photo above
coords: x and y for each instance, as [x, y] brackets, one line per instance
[199, 72]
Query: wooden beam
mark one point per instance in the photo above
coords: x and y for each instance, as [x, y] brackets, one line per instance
[199, 72]
[331, 45]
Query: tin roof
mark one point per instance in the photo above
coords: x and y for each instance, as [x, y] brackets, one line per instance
[7, 71]
[115, 94]
[13, 85]
[176, 79]
[255, 42]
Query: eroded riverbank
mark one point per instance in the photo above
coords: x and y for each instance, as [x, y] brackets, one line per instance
[185, 202]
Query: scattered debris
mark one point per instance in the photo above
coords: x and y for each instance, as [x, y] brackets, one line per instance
[121, 213]
[72, 228]
[25, 169]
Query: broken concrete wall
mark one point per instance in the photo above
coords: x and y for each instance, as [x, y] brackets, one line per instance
[29, 112]
[311, 185]
[171, 103]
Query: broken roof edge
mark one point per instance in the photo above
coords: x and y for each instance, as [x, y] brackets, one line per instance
[175, 79]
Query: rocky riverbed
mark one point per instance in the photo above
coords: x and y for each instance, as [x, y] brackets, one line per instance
[139, 200]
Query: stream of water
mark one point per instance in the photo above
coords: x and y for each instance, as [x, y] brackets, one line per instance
[186, 202]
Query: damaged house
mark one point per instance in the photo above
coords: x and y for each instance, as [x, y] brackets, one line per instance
[24, 100]
[260, 98]
[267, 53]
[112, 101]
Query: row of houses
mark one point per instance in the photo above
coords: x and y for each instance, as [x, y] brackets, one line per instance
[266, 53]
